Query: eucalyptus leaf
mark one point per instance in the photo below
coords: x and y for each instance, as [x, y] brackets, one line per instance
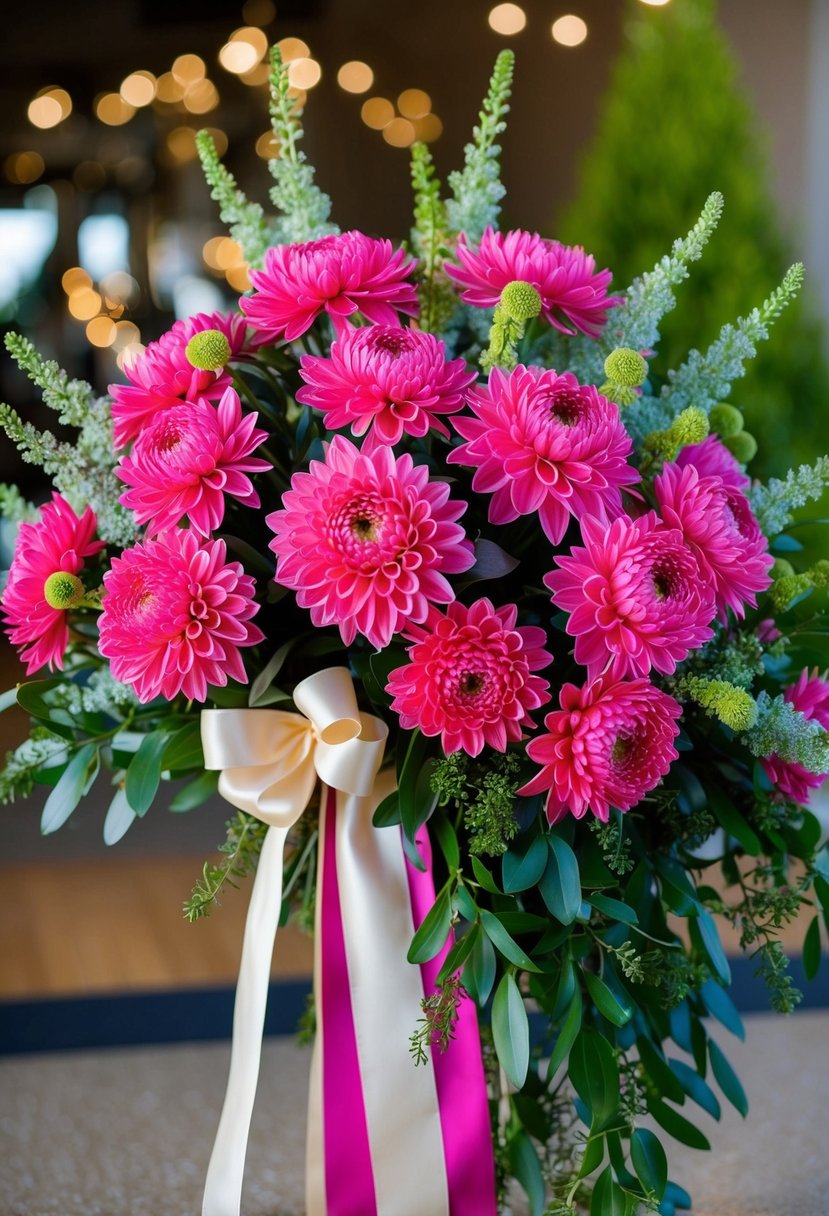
[560, 886]
[649, 1161]
[70, 789]
[523, 864]
[595, 1075]
[727, 1079]
[502, 941]
[676, 1125]
[811, 949]
[526, 1167]
[511, 1030]
[479, 972]
[607, 1002]
[119, 818]
[697, 1089]
[144, 772]
[608, 1198]
[570, 1027]
[269, 673]
[432, 934]
[195, 793]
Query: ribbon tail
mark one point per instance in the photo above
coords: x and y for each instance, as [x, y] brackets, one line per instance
[223, 1187]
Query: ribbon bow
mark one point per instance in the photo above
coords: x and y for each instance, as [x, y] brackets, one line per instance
[384, 1138]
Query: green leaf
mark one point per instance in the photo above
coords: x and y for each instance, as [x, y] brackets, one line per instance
[448, 841]
[658, 1073]
[608, 1197]
[511, 1030]
[570, 1027]
[811, 949]
[613, 908]
[526, 1168]
[595, 1075]
[720, 1005]
[703, 928]
[269, 673]
[144, 772]
[822, 892]
[676, 1125]
[593, 1155]
[677, 889]
[491, 561]
[195, 792]
[184, 749]
[70, 789]
[727, 1079]
[483, 876]
[387, 812]
[522, 868]
[695, 1087]
[458, 955]
[607, 1002]
[119, 818]
[560, 887]
[432, 934]
[417, 798]
[479, 972]
[31, 697]
[734, 823]
[649, 1161]
[502, 941]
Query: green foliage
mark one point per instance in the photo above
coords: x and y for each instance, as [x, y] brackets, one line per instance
[775, 502]
[430, 242]
[476, 189]
[676, 78]
[781, 730]
[246, 220]
[14, 507]
[304, 207]
[240, 855]
[436, 1029]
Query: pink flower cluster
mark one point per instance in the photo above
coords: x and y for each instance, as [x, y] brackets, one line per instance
[366, 541]
[573, 294]
[469, 677]
[810, 696]
[58, 542]
[385, 381]
[162, 376]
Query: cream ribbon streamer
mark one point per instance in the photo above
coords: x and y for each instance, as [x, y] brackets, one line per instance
[270, 762]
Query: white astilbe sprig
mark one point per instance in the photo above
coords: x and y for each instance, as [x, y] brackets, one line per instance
[476, 189]
[775, 502]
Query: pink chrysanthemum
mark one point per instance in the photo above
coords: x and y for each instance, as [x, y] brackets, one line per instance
[469, 678]
[339, 275]
[392, 380]
[187, 460]
[635, 597]
[175, 615]
[543, 442]
[366, 540]
[573, 293]
[721, 531]
[162, 375]
[609, 745]
[711, 458]
[810, 696]
[55, 544]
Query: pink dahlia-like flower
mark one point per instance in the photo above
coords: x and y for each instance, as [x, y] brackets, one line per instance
[810, 696]
[392, 380]
[611, 742]
[469, 678]
[573, 294]
[711, 458]
[720, 530]
[543, 442]
[175, 615]
[366, 540]
[188, 459]
[162, 376]
[339, 275]
[635, 596]
[55, 544]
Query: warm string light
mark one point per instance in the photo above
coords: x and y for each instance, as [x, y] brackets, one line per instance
[411, 119]
[569, 30]
[507, 19]
[23, 168]
[103, 309]
[49, 107]
[225, 256]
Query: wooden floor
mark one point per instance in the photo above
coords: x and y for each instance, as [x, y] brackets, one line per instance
[115, 925]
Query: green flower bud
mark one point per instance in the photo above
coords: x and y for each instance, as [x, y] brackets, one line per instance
[691, 426]
[520, 301]
[726, 420]
[782, 568]
[785, 590]
[732, 705]
[820, 573]
[742, 445]
[63, 590]
[625, 367]
[208, 350]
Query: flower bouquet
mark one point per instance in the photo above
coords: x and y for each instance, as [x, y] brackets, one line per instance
[507, 665]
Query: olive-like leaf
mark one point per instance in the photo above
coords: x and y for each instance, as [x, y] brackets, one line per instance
[511, 1030]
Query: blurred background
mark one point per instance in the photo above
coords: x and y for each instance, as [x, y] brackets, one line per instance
[626, 114]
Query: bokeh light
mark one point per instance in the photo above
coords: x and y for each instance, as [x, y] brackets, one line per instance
[189, 68]
[75, 279]
[181, 144]
[111, 109]
[304, 73]
[84, 304]
[377, 113]
[49, 107]
[355, 76]
[507, 19]
[414, 103]
[23, 168]
[101, 331]
[267, 146]
[169, 88]
[201, 96]
[569, 30]
[400, 133]
[138, 89]
[293, 48]
[428, 128]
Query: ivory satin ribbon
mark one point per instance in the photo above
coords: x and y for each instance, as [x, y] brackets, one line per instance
[382, 1140]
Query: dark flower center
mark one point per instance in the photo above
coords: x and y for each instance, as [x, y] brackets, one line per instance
[392, 343]
[664, 582]
[471, 683]
[364, 528]
[566, 409]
